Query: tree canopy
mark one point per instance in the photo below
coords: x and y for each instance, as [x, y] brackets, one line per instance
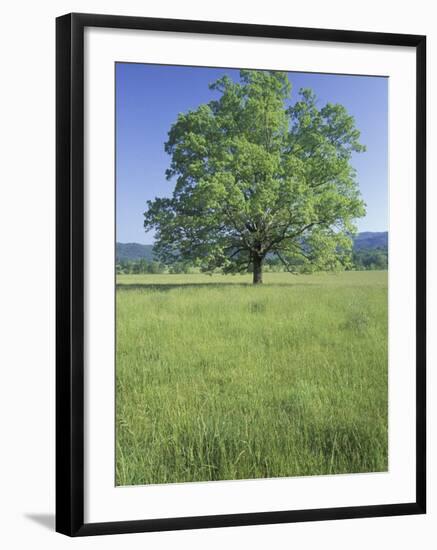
[257, 176]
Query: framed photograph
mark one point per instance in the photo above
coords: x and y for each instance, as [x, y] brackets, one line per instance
[240, 274]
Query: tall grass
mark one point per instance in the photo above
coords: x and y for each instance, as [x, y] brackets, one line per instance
[218, 379]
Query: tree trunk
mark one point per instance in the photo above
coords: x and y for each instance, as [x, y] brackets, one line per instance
[257, 270]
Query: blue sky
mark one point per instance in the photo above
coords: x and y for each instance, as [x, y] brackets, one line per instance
[149, 98]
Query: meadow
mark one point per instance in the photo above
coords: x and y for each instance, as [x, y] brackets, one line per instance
[217, 379]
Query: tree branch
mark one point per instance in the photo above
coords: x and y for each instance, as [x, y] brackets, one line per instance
[287, 265]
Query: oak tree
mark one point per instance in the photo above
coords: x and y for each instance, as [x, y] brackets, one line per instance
[258, 176]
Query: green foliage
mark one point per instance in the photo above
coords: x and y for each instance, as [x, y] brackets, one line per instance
[255, 177]
[217, 379]
[139, 266]
[179, 267]
[366, 258]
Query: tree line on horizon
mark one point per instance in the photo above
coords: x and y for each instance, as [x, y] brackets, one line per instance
[363, 259]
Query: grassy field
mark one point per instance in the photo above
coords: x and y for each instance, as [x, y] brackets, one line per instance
[218, 379]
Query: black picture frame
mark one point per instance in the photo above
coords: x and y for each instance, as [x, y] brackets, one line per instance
[70, 273]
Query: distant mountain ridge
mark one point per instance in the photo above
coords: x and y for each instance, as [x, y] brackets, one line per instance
[137, 251]
[133, 251]
[369, 239]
